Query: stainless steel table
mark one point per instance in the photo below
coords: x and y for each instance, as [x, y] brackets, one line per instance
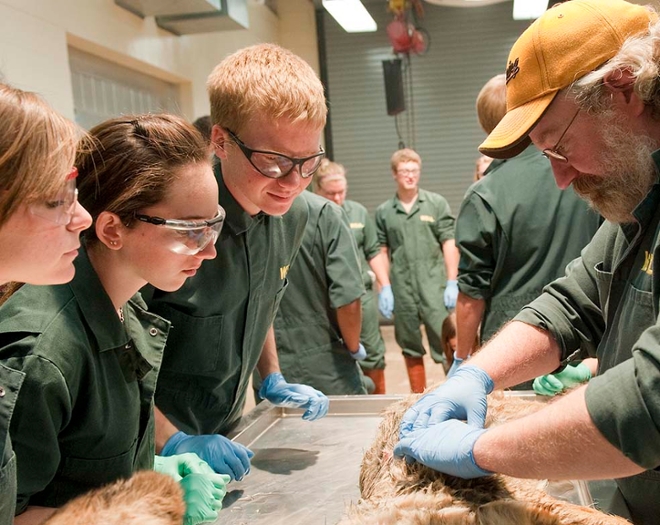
[307, 472]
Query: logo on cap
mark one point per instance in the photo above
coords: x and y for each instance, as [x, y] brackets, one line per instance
[512, 70]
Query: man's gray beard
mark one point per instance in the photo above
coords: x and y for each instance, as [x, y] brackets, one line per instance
[627, 175]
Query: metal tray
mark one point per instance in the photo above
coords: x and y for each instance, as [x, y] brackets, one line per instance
[307, 472]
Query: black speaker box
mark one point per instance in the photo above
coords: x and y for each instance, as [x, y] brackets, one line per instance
[394, 86]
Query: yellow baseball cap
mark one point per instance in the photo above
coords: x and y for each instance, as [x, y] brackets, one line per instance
[568, 41]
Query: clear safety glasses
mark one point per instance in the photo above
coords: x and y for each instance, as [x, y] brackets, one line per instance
[276, 165]
[189, 237]
[61, 207]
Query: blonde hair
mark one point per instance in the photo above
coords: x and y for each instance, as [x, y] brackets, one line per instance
[37, 149]
[265, 80]
[639, 56]
[491, 103]
[328, 171]
[405, 155]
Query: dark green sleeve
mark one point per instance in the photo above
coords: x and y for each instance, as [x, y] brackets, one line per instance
[445, 223]
[42, 410]
[342, 264]
[371, 244]
[624, 402]
[381, 227]
[478, 234]
[570, 306]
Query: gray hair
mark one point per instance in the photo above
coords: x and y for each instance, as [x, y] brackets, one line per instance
[639, 55]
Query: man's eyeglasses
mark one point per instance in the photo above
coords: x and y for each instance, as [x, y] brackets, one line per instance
[276, 165]
[414, 171]
[61, 208]
[553, 153]
[189, 237]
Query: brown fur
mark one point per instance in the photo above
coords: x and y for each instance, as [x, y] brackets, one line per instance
[147, 498]
[394, 492]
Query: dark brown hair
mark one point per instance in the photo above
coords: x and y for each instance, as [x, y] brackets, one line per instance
[132, 163]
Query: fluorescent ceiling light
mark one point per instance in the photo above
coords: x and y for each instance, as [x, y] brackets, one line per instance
[528, 9]
[351, 15]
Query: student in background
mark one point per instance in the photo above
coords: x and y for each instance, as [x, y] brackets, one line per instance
[330, 182]
[416, 233]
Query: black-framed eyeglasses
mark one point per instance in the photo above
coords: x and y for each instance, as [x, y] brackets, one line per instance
[189, 237]
[552, 153]
[277, 165]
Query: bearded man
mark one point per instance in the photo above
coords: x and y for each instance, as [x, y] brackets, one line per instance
[583, 86]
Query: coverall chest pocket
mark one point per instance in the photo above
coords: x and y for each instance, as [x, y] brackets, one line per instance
[203, 334]
[634, 314]
[7, 485]
[77, 475]
[278, 297]
[604, 284]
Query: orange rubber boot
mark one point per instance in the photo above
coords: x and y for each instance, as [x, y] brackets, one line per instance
[377, 375]
[416, 374]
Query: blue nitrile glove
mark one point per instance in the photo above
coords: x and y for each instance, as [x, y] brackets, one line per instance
[203, 494]
[386, 301]
[552, 384]
[451, 293]
[446, 447]
[462, 396]
[454, 365]
[361, 354]
[291, 395]
[223, 455]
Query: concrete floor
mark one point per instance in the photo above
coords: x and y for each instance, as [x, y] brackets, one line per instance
[396, 377]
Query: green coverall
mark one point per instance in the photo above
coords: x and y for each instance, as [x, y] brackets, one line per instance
[417, 269]
[84, 416]
[516, 232]
[10, 383]
[607, 307]
[325, 276]
[221, 315]
[366, 237]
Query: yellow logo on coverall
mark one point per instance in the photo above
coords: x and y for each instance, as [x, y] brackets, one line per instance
[284, 270]
[426, 218]
[648, 263]
[356, 225]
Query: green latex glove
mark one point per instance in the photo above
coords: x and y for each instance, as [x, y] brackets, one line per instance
[203, 494]
[203, 489]
[553, 384]
[181, 465]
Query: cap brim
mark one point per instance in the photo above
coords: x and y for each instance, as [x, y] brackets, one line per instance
[510, 136]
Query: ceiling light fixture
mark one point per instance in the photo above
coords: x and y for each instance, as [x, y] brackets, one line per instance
[528, 9]
[351, 15]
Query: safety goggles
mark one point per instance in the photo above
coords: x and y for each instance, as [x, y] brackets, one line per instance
[277, 165]
[189, 237]
[61, 207]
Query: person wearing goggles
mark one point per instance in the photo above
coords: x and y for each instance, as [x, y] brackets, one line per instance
[61, 207]
[37, 150]
[268, 111]
[92, 341]
[189, 237]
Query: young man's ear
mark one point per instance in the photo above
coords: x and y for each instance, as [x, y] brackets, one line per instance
[219, 138]
[109, 229]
